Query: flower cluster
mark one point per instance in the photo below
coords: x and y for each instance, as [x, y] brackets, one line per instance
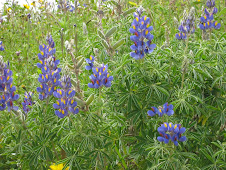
[187, 26]
[90, 61]
[207, 20]
[50, 76]
[1, 46]
[100, 77]
[65, 100]
[7, 91]
[65, 5]
[142, 37]
[168, 132]
[27, 102]
[166, 109]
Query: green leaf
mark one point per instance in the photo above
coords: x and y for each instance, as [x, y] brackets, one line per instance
[118, 44]
[105, 44]
[101, 35]
[129, 11]
[110, 32]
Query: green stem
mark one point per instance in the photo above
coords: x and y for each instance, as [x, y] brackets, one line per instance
[62, 42]
[99, 111]
[183, 74]
[71, 120]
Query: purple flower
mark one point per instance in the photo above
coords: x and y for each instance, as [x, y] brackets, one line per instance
[90, 61]
[168, 132]
[206, 21]
[100, 77]
[1, 46]
[27, 103]
[142, 37]
[65, 102]
[7, 91]
[166, 109]
[50, 76]
[210, 3]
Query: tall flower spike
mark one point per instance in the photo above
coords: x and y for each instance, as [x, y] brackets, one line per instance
[50, 76]
[7, 91]
[65, 102]
[166, 109]
[1, 46]
[168, 132]
[187, 26]
[142, 37]
[27, 103]
[100, 77]
[90, 61]
[206, 21]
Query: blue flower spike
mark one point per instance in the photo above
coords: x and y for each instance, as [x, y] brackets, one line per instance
[28, 102]
[142, 37]
[65, 102]
[206, 21]
[7, 90]
[187, 26]
[100, 77]
[49, 79]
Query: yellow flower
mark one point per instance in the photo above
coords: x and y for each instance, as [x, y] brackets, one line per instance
[26, 6]
[198, 0]
[33, 3]
[40, 1]
[9, 9]
[58, 167]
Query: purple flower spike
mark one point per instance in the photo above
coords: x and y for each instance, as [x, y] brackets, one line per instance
[206, 22]
[100, 77]
[27, 103]
[65, 102]
[48, 64]
[7, 90]
[142, 37]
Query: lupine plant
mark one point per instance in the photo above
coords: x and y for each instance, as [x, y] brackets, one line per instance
[77, 123]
